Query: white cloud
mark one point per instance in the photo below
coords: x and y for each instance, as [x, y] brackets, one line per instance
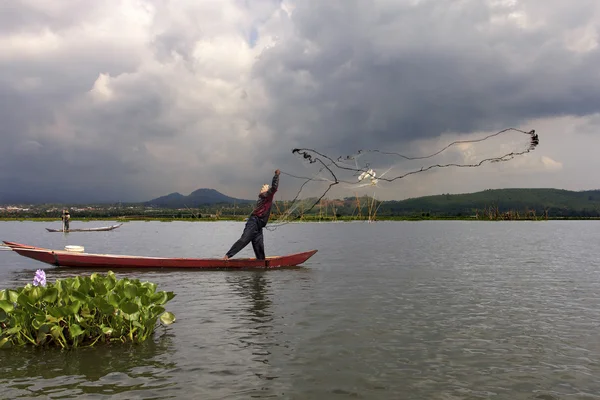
[101, 89]
[582, 39]
[551, 164]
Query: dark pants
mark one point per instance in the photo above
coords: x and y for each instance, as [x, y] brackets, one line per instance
[252, 233]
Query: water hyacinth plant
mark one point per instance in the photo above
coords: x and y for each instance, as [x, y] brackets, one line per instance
[81, 311]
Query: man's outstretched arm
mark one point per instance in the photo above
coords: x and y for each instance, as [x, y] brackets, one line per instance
[275, 182]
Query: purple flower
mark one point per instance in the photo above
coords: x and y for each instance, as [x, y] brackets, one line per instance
[40, 278]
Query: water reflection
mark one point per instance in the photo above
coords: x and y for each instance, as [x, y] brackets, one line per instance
[102, 370]
[254, 287]
[257, 320]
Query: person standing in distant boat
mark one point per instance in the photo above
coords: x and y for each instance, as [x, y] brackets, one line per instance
[65, 219]
[256, 222]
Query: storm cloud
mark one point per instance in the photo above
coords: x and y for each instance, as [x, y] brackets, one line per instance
[126, 101]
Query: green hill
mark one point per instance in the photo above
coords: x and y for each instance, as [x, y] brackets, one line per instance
[557, 202]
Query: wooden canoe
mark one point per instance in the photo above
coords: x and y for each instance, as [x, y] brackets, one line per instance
[100, 229]
[64, 258]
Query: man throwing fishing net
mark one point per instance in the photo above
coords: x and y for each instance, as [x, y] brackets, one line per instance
[256, 222]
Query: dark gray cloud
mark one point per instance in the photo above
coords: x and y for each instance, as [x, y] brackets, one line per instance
[402, 72]
[134, 101]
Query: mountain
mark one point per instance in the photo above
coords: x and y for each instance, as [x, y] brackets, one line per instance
[197, 198]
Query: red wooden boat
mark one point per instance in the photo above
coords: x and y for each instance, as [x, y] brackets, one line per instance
[66, 258]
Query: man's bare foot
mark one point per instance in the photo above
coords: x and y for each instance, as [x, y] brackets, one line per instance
[225, 258]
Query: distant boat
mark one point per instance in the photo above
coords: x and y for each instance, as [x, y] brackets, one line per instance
[102, 228]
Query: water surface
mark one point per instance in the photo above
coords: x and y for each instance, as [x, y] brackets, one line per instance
[388, 310]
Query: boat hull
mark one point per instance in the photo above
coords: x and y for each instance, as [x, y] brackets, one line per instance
[100, 229]
[63, 258]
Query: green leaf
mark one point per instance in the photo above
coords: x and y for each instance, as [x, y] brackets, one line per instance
[3, 315]
[12, 296]
[110, 281]
[167, 318]
[113, 299]
[86, 312]
[144, 300]
[74, 307]
[107, 330]
[159, 298]
[25, 304]
[6, 306]
[75, 330]
[56, 312]
[56, 331]
[13, 330]
[84, 286]
[51, 295]
[76, 283]
[63, 289]
[79, 296]
[103, 305]
[150, 287]
[4, 342]
[41, 337]
[137, 324]
[23, 300]
[36, 294]
[156, 311]
[38, 321]
[99, 288]
[129, 307]
[130, 291]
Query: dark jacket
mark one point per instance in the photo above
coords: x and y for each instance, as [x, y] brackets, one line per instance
[265, 200]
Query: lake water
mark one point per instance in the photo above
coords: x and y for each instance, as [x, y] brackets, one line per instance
[387, 310]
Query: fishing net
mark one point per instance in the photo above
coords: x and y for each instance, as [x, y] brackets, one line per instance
[372, 169]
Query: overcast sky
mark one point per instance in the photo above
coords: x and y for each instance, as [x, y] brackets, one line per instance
[122, 100]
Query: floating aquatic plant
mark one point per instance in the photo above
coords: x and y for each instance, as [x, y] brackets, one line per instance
[81, 311]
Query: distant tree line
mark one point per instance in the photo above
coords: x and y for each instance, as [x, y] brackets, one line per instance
[488, 204]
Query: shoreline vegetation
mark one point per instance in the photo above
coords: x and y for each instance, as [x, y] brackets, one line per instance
[305, 219]
[488, 205]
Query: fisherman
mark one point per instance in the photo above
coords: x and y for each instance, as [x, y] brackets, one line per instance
[65, 219]
[258, 219]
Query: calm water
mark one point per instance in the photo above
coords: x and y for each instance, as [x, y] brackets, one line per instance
[398, 310]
